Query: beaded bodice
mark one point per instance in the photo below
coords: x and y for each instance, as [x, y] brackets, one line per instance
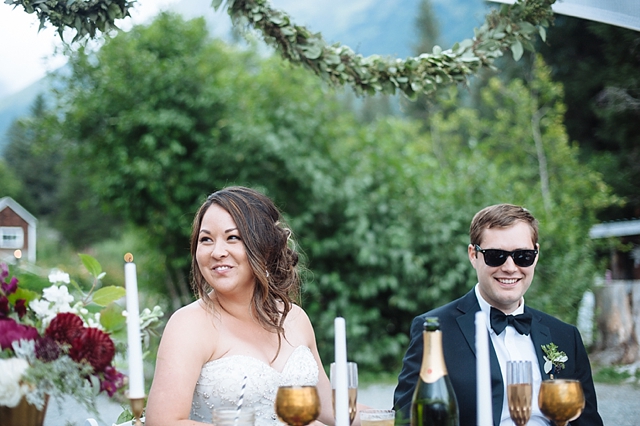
[221, 379]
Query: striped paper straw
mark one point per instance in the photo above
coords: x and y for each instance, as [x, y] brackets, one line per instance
[240, 400]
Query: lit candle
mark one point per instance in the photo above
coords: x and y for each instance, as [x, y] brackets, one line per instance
[483, 372]
[136, 372]
[342, 392]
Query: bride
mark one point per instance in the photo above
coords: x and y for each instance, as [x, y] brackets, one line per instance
[244, 323]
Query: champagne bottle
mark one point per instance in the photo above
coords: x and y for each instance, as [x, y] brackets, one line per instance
[434, 401]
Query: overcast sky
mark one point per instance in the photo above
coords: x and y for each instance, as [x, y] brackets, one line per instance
[26, 54]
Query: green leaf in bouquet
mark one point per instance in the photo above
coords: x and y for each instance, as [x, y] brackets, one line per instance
[111, 318]
[125, 416]
[74, 284]
[32, 282]
[92, 265]
[22, 293]
[108, 294]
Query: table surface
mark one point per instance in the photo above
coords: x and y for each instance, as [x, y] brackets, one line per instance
[619, 405]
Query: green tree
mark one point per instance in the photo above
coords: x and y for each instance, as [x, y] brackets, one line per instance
[598, 65]
[34, 166]
[11, 185]
[427, 31]
[427, 28]
[50, 190]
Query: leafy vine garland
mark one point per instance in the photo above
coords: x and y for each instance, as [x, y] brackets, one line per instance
[83, 16]
[512, 27]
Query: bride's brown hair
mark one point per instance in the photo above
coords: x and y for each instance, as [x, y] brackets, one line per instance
[269, 250]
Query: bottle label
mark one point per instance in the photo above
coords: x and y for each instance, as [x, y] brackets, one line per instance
[433, 366]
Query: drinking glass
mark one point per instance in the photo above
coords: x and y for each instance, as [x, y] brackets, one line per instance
[561, 400]
[352, 386]
[297, 405]
[232, 417]
[377, 417]
[519, 391]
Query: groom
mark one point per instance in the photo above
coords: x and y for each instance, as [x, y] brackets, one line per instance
[504, 252]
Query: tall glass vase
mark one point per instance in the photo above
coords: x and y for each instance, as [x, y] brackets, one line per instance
[24, 414]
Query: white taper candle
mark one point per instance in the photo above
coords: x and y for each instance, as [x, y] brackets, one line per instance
[342, 392]
[483, 372]
[134, 348]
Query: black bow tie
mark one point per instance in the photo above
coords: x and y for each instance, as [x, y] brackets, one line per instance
[499, 321]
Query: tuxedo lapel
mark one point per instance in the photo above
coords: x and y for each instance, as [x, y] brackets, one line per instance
[540, 335]
[468, 306]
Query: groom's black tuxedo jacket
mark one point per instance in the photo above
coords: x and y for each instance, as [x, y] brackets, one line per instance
[457, 322]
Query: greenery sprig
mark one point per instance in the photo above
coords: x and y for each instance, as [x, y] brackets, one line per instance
[554, 359]
[512, 27]
[83, 16]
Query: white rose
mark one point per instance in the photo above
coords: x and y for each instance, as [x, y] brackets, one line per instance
[11, 391]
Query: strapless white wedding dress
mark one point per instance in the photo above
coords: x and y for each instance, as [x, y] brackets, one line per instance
[221, 379]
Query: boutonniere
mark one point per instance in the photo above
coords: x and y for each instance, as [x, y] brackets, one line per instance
[553, 359]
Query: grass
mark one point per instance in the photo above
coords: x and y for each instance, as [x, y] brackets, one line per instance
[366, 379]
[617, 374]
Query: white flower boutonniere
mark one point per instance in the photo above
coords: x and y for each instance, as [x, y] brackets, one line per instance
[553, 359]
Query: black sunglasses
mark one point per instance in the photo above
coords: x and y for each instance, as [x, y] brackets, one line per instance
[494, 257]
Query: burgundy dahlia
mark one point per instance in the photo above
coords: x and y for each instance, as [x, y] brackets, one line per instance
[4, 306]
[11, 331]
[112, 380]
[94, 346]
[10, 287]
[20, 307]
[65, 327]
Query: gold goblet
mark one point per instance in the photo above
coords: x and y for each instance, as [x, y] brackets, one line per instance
[519, 391]
[297, 405]
[561, 400]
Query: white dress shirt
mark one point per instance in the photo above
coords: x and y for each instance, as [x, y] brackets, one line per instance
[513, 346]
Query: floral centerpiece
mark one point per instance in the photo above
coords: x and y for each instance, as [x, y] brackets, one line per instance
[54, 345]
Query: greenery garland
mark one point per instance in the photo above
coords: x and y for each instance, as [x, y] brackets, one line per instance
[83, 16]
[512, 27]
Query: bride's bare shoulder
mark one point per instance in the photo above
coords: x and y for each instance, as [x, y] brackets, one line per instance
[298, 322]
[194, 312]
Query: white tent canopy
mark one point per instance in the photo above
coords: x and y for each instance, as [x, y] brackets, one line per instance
[621, 13]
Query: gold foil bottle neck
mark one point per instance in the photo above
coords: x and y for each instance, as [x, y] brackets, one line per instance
[433, 365]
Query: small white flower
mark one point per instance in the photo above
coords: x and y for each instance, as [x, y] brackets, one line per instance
[59, 296]
[42, 308]
[548, 365]
[95, 322]
[11, 391]
[57, 276]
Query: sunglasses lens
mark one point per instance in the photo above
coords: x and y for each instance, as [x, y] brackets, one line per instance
[495, 257]
[524, 258]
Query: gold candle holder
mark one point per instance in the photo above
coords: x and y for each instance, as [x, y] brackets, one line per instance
[137, 407]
